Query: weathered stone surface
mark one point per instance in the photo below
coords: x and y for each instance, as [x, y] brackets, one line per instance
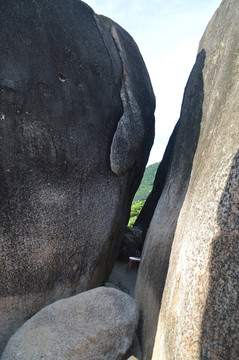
[198, 316]
[97, 324]
[76, 127]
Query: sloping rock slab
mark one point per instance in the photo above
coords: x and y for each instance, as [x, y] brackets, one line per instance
[97, 324]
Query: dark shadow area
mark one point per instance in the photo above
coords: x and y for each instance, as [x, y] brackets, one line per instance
[220, 326]
[170, 188]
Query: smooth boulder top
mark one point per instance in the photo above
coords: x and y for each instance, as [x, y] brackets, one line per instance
[97, 324]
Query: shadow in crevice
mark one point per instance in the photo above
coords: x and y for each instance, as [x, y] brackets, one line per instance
[169, 191]
[220, 325]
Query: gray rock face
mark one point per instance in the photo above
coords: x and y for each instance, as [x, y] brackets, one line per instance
[97, 324]
[198, 317]
[76, 127]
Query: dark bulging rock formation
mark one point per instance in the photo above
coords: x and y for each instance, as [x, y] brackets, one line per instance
[76, 128]
[188, 276]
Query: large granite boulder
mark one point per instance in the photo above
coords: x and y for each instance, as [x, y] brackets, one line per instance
[198, 305]
[97, 324]
[76, 128]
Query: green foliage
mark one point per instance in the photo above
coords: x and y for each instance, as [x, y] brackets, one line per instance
[142, 193]
[146, 183]
[107, 24]
[135, 210]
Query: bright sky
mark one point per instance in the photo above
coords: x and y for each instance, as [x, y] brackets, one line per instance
[167, 33]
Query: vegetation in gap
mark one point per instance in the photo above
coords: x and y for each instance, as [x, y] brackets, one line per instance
[142, 192]
[136, 207]
[146, 183]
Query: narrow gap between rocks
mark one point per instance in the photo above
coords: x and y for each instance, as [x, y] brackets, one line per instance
[123, 279]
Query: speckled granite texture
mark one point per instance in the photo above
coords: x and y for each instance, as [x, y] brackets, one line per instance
[199, 304]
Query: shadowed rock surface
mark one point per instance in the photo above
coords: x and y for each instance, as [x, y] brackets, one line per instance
[131, 243]
[76, 128]
[97, 324]
[198, 316]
